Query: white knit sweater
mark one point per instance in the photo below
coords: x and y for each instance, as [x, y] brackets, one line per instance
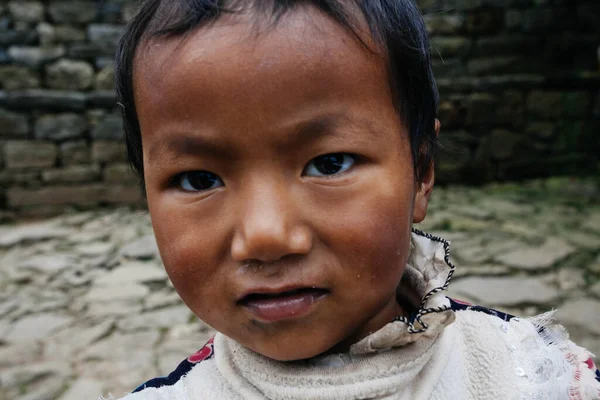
[440, 354]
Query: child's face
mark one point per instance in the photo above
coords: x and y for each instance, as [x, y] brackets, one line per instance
[257, 112]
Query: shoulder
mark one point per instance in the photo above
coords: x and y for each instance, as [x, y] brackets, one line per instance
[538, 349]
[164, 384]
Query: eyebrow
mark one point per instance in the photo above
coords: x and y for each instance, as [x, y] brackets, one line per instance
[190, 145]
[304, 132]
[328, 125]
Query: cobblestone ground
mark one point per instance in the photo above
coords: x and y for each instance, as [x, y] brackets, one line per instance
[86, 308]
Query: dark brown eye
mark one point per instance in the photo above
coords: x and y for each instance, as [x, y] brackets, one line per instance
[330, 164]
[196, 181]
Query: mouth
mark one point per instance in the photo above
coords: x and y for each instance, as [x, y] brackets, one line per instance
[289, 304]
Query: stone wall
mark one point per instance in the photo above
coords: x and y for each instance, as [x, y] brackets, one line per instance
[519, 82]
[520, 87]
[60, 132]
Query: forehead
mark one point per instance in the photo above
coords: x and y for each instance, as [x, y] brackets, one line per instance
[239, 70]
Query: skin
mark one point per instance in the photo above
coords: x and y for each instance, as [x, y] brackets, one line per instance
[255, 109]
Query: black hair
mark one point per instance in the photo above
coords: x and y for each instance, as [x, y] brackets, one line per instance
[396, 27]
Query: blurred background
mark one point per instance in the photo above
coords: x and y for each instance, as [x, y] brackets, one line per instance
[85, 307]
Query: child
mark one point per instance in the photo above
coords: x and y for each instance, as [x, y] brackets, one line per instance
[285, 148]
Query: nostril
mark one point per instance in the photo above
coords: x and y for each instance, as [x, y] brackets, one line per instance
[267, 247]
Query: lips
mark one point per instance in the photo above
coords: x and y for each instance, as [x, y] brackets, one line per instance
[270, 306]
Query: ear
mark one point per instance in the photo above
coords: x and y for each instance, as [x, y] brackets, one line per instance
[425, 188]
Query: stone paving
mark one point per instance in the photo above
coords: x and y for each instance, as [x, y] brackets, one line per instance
[86, 308]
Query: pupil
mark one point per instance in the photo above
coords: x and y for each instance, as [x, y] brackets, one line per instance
[201, 180]
[330, 164]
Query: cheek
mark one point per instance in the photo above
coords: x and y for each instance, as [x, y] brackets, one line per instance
[372, 233]
[188, 250]
[383, 249]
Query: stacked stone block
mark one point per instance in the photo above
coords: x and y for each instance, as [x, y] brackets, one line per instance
[60, 131]
[519, 83]
[520, 87]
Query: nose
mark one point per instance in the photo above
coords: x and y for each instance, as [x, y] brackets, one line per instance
[270, 227]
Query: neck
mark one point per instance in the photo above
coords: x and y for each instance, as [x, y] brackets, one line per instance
[387, 313]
